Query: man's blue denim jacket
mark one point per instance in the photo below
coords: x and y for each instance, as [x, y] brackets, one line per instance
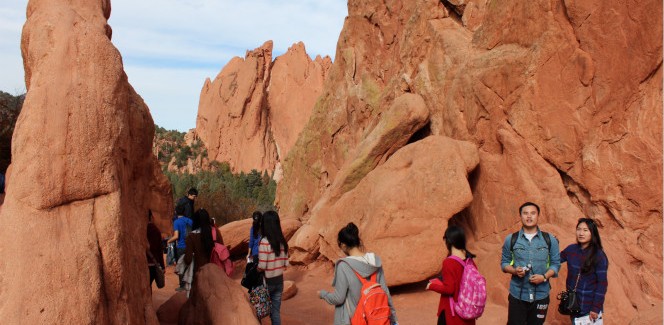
[538, 255]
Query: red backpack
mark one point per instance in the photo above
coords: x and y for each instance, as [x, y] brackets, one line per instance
[373, 307]
[220, 255]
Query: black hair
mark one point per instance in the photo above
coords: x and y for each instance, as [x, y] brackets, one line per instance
[179, 209]
[529, 204]
[455, 237]
[202, 221]
[150, 215]
[595, 245]
[271, 230]
[257, 218]
[192, 191]
[349, 236]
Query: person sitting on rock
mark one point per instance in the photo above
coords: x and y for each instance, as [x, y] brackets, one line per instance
[346, 282]
[200, 241]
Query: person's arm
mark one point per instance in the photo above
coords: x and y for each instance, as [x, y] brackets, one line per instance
[263, 255]
[452, 271]
[338, 297]
[252, 240]
[506, 260]
[381, 279]
[176, 235]
[601, 270]
[554, 264]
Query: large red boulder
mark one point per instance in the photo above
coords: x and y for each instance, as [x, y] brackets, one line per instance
[562, 99]
[217, 299]
[72, 241]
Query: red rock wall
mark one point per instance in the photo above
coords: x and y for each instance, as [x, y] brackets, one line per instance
[72, 241]
[253, 111]
[563, 101]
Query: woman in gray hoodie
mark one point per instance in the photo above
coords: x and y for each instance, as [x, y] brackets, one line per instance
[346, 284]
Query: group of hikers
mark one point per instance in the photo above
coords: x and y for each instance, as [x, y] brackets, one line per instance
[360, 293]
[530, 255]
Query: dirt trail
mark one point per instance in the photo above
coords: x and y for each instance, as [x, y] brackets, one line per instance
[414, 305]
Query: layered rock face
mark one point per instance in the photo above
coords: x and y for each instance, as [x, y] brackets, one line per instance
[253, 111]
[560, 102]
[72, 241]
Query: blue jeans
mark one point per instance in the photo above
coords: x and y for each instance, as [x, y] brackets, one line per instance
[275, 297]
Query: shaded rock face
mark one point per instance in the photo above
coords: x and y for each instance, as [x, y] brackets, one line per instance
[74, 218]
[561, 112]
[217, 299]
[253, 111]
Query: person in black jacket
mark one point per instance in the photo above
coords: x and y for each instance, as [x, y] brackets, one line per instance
[188, 202]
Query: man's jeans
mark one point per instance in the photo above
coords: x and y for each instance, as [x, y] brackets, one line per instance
[275, 297]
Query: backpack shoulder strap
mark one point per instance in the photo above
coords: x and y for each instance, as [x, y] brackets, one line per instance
[214, 235]
[458, 259]
[515, 236]
[547, 239]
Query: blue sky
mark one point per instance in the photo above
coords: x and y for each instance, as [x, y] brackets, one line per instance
[169, 47]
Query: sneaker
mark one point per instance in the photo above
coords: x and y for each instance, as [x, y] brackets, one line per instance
[180, 289]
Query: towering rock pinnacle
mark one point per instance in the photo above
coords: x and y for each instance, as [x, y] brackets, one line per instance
[254, 110]
[72, 240]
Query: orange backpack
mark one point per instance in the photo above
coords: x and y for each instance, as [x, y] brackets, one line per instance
[373, 307]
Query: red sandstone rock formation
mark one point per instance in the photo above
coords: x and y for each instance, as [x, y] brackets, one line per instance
[253, 111]
[72, 241]
[562, 100]
[217, 299]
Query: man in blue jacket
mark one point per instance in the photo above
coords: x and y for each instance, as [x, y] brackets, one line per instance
[532, 257]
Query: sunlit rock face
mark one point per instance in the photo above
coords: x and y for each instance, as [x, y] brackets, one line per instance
[251, 114]
[72, 241]
[560, 111]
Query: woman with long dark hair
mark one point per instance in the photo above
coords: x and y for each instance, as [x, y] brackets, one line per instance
[273, 260]
[451, 272]
[200, 242]
[587, 267]
[347, 284]
[255, 236]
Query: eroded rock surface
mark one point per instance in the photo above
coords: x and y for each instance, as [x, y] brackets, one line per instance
[562, 112]
[217, 299]
[251, 114]
[79, 181]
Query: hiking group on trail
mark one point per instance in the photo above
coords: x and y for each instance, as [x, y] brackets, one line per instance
[361, 294]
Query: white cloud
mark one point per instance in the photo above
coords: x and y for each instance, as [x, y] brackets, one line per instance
[169, 47]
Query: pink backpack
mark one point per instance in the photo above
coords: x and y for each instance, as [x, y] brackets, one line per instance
[220, 255]
[472, 291]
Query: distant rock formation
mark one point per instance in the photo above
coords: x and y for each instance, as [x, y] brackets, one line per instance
[561, 100]
[72, 241]
[252, 113]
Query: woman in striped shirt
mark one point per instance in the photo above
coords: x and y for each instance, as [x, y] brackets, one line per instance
[587, 267]
[273, 260]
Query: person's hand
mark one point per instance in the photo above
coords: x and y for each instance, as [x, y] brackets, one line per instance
[536, 278]
[318, 293]
[520, 272]
[593, 316]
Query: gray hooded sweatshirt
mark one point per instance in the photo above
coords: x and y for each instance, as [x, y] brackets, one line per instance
[347, 286]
